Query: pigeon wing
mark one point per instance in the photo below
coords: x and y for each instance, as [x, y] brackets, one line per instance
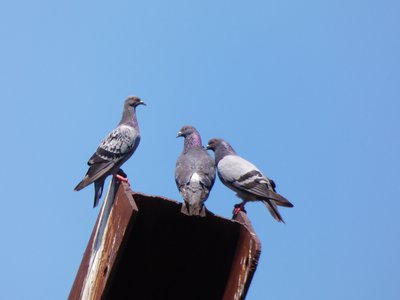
[183, 171]
[116, 148]
[195, 176]
[245, 177]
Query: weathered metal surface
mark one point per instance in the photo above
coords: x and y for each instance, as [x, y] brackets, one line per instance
[160, 253]
[103, 249]
[245, 262]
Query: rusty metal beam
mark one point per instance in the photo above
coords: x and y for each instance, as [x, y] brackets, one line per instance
[149, 250]
[105, 244]
[245, 262]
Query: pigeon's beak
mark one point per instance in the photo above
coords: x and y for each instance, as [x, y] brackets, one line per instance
[208, 147]
[142, 103]
[179, 134]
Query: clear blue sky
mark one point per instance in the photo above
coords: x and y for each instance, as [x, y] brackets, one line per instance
[307, 90]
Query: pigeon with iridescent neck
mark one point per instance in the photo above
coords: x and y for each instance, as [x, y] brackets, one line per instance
[114, 150]
[194, 173]
[245, 179]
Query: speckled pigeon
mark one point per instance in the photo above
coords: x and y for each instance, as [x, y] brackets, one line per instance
[245, 179]
[194, 173]
[114, 150]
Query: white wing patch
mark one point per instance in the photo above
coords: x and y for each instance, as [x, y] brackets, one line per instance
[195, 178]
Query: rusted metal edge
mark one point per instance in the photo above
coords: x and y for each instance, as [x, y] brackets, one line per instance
[101, 258]
[245, 262]
[106, 239]
[246, 258]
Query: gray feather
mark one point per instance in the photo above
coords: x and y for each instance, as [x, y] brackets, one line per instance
[273, 209]
[249, 183]
[114, 150]
[194, 175]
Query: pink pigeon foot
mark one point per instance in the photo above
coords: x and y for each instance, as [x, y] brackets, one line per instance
[122, 179]
[238, 208]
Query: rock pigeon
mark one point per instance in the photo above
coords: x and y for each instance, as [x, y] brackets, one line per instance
[114, 150]
[194, 173]
[245, 179]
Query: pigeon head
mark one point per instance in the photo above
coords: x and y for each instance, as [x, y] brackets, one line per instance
[186, 131]
[213, 144]
[221, 148]
[192, 137]
[133, 101]
[129, 113]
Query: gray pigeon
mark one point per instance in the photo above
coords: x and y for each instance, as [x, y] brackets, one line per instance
[245, 179]
[114, 150]
[194, 173]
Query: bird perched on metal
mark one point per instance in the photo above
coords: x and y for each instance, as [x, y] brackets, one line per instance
[194, 173]
[245, 179]
[114, 150]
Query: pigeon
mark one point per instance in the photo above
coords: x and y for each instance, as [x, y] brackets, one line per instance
[114, 150]
[245, 179]
[194, 173]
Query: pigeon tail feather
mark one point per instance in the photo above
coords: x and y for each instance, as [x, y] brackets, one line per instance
[84, 183]
[195, 209]
[273, 209]
[98, 190]
[280, 200]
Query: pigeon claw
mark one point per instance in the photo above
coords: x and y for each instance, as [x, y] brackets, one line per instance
[238, 208]
[122, 179]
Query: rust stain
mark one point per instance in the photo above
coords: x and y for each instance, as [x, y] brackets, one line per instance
[135, 243]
